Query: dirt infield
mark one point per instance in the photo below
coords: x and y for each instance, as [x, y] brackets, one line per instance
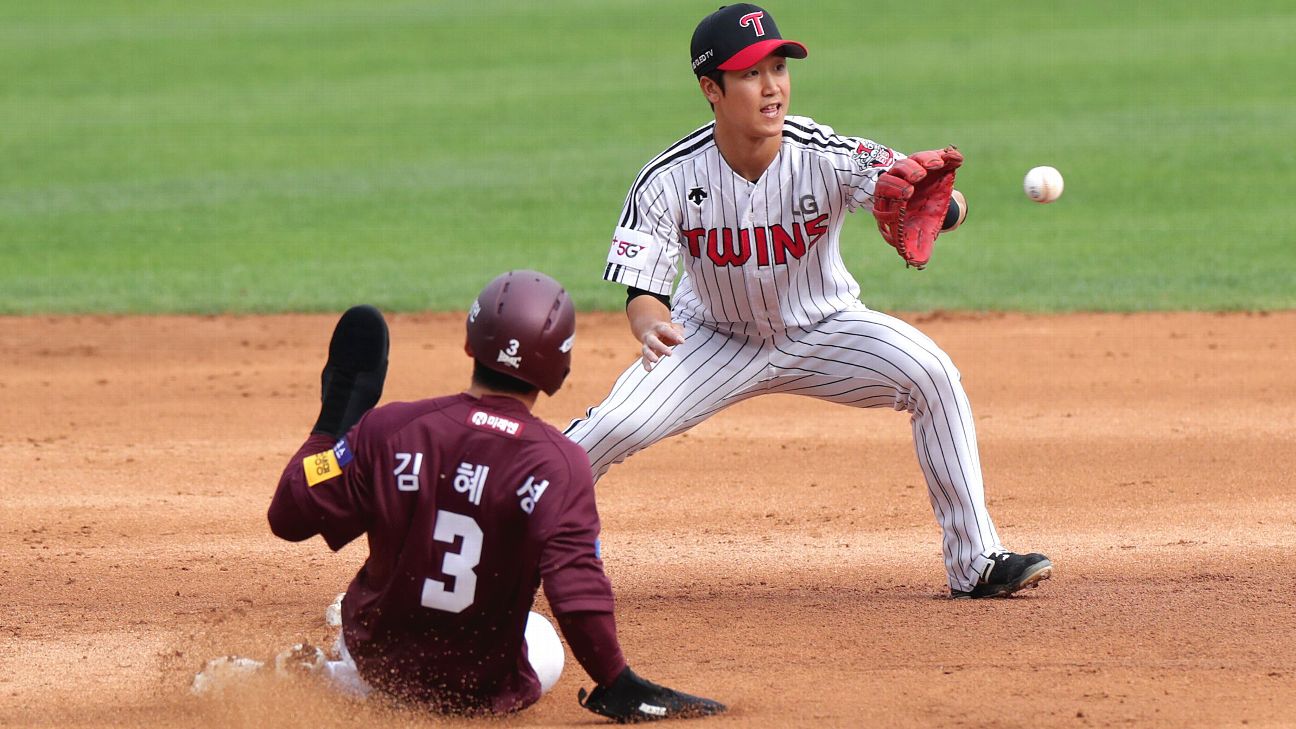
[782, 557]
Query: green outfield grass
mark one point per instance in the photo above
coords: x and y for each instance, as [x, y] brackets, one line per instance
[292, 155]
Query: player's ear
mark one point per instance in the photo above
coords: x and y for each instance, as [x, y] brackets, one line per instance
[710, 89]
[468, 348]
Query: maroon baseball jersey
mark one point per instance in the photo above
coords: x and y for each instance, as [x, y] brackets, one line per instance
[468, 503]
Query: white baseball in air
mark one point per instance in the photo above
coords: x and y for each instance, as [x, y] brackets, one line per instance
[1043, 184]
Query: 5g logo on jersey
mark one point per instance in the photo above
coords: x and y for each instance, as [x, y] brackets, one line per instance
[628, 249]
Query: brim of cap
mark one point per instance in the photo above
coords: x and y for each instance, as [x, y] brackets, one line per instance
[752, 54]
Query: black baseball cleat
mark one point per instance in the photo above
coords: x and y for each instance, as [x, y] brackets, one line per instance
[1008, 573]
[353, 377]
[360, 341]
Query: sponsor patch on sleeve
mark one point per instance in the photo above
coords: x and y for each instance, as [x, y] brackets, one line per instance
[328, 464]
[631, 248]
[871, 155]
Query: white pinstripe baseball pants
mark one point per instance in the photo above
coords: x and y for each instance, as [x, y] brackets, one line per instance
[855, 357]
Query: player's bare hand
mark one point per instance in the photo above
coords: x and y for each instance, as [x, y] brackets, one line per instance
[660, 339]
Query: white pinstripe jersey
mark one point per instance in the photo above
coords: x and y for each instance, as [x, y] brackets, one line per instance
[757, 256]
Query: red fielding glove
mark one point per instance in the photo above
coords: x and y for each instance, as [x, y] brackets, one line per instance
[911, 200]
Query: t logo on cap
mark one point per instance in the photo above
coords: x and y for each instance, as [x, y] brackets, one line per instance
[753, 19]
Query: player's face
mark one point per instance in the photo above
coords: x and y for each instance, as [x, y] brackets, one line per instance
[755, 100]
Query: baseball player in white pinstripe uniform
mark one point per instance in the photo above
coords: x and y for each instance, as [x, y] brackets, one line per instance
[751, 207]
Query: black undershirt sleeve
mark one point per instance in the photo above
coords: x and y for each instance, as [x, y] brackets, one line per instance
[633, 293]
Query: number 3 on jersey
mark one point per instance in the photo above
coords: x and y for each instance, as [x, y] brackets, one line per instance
[450, 525]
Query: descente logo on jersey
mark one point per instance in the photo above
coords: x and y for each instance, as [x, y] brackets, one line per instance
[729, 247]
[494, 423]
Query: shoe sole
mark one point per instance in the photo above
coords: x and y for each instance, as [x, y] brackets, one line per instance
[1036, 574]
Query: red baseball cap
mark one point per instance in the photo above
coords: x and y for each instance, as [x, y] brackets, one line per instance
[737, 37]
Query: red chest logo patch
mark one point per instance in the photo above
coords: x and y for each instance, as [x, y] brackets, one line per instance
[482, 420]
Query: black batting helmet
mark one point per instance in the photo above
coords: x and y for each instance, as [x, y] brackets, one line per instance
[522, 325]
